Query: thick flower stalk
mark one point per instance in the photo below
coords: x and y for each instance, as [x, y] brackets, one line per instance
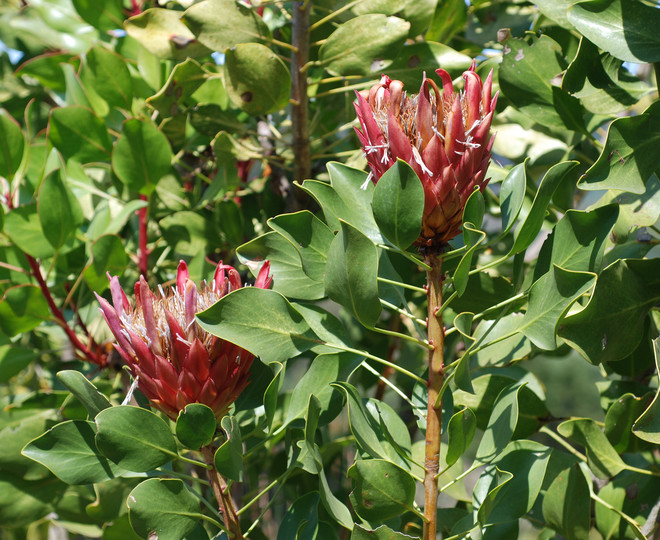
[174, 361]
[444, 137]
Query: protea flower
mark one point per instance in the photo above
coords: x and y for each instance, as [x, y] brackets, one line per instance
[174, 361]
[443, 137]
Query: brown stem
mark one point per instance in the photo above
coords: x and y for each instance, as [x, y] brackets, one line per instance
[299, 109]
[143, 252]
[436, 335]
[89, 355]
[221, 491]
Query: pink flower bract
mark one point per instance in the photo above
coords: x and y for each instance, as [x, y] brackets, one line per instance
[444, 137]
[173, 359]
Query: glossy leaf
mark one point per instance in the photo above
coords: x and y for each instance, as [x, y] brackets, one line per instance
[647, 426]
[59, 211]
[379, 533]
[487, 491]
[346, 52]
[108, 256]
[627, 160]
[106, 16]
[185, 78]
[69, 451]
[460, 431]
[79, 134]
[619, 421]
[301, 519]
[626, 29]
[93, 400]
[448, 18]
[23, 227]
[624, 293]
[221, 24]
[549, 300]
[142, 155]
[162, 33]
[603, 460]
[164, 508]
[351, 272]
[414, 58]
[261, 321]
[110, 78]
[472, 236]
[382, 490]
[526, 232]
[501, 425]
[12, 146]
[337, 509]
[228, 458]
[22, 309]
[512, 195]
[135, 439]
[25, 501]
[567, 506]
[195, 425]
[257, 80]
[13, 359]
[398, 205]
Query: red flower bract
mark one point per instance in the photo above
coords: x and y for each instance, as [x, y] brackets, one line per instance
[174, 361]
[443, 137]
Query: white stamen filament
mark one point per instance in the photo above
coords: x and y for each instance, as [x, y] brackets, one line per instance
[364, 186]
[420, 162]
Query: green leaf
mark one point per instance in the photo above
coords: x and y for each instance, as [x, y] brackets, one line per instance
[257, 80]
[261, 321]
[22, 309]
[12, 146]
[472, 236]
[602, 458]
[381, 489]
[619, 421]
[647, 426]
[13, 359]
[195, 425]
[311, 238]
[398, 204]
[501, 344]
[448, 19]
[221, 24]
[24, 501]
[501, 425]
[488, 490]
[627, 29]
[162, 33]
[578, 240]
[628, 158]
[567, 505]
[188, 233]
[512, 195]
[163, 508]
[79, 134]
[345, 200]
[108, 256]
[530, 227]
[379, 533]
[142, 155]
[351, 273]
[23, 227]
[460, 431]
[185, 78]
[301, 519]
[611, 326]
[346, 52]
[109, 77]
[105, 16]
[68, 450]
[526, 77]
[228, 458]
[337, 509]
[93, 400]
[134, 438]
[323, 370]
[550, 298]
[557, 10]
[635, 210]
[289, 277]
[59, 211]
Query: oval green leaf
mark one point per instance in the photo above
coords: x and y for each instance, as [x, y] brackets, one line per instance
[195, 426]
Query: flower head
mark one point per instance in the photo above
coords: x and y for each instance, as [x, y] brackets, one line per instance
[444, 137]
[174, 361]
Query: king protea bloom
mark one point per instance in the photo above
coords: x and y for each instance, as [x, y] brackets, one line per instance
[444, 137]
[174, 361]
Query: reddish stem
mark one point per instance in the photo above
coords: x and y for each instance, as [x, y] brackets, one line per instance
[143, 252]
[57, 313]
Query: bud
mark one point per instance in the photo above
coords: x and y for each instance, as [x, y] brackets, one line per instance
[174, 361]
[444, 137]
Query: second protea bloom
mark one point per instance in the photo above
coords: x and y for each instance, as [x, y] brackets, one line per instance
[443, 136]
[174, 361]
